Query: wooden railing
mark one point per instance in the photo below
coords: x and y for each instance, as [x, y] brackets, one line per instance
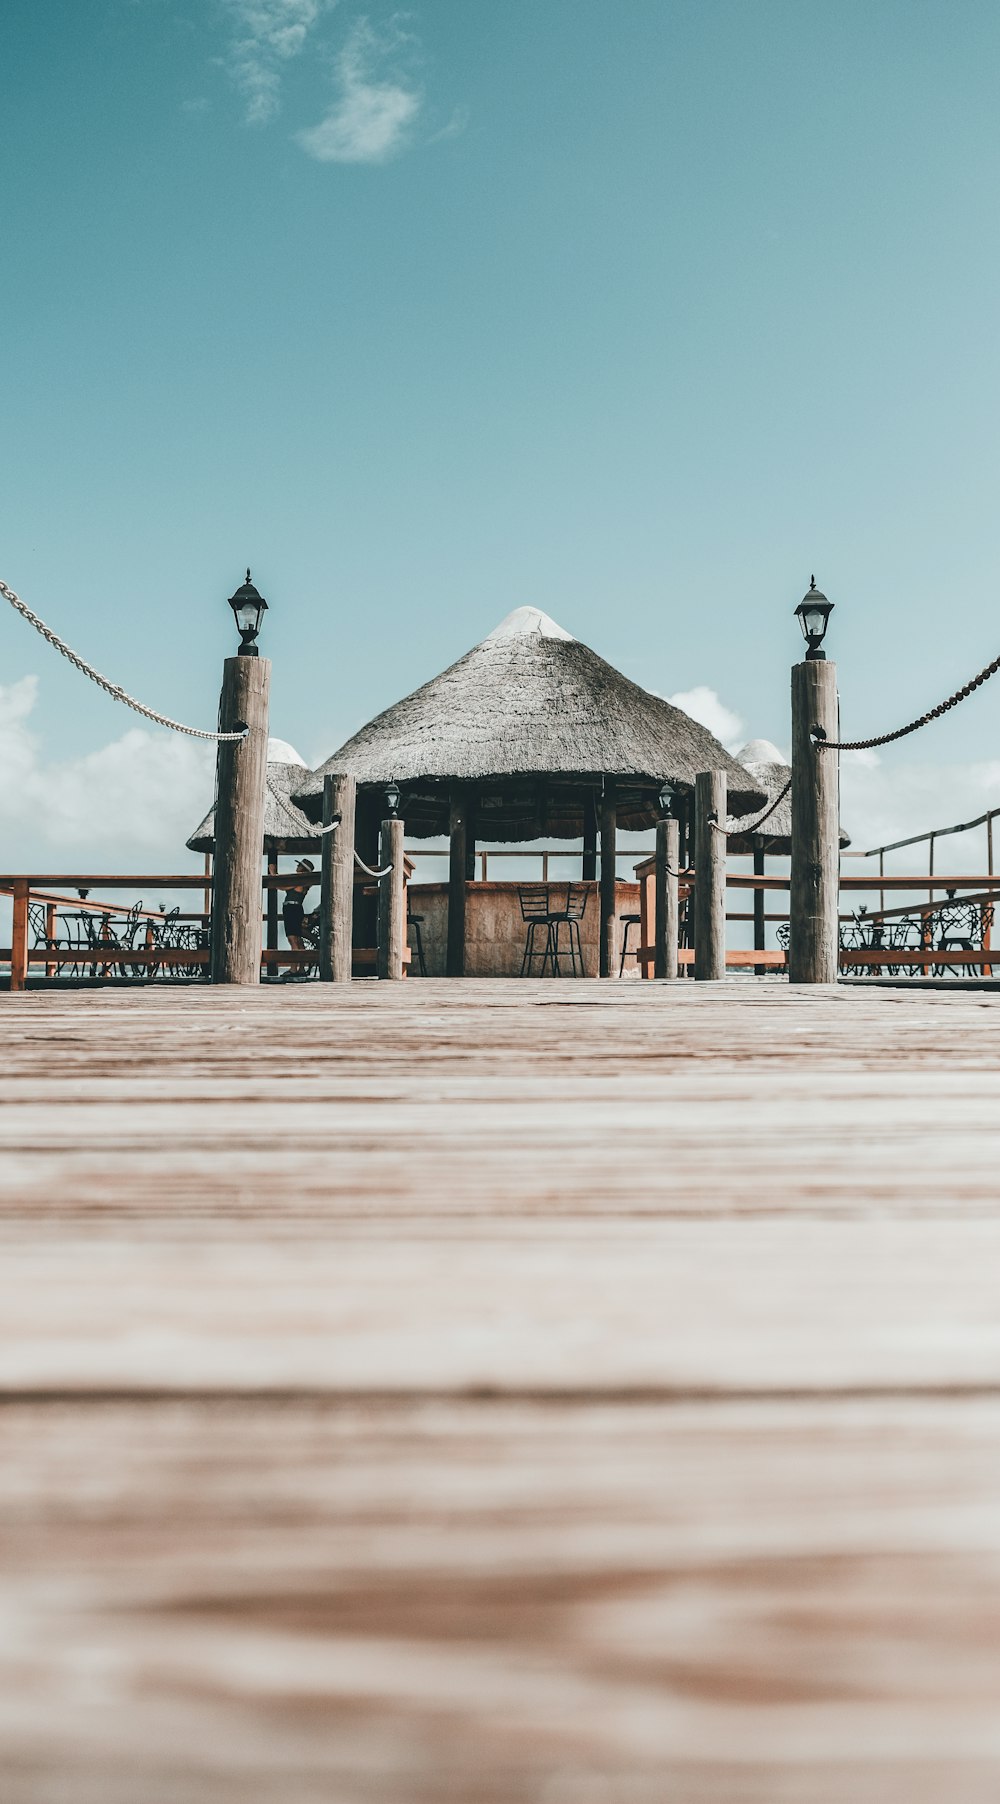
[975, 888]
[51, 892]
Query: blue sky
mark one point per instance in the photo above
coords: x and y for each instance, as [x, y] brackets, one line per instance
[638, 312]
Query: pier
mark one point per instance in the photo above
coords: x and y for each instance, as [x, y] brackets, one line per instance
[528, 1392]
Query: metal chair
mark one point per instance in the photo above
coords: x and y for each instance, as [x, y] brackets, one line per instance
[416, 922]
[536, 909]
[534, 901]
[628, 921]
[38, 922]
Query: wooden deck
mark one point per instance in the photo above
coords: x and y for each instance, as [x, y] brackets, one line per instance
[500, 1393]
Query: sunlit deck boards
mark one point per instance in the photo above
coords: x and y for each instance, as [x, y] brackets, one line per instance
[523, 1393]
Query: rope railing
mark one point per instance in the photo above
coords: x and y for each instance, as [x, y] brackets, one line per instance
[743, 827]
[362, 866]
[115, 690]
[868, 745]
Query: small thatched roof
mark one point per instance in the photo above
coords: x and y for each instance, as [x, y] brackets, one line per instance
[286, 828]
[765, 763]
[534, 719]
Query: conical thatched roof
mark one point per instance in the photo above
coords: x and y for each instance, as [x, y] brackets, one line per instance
[286, 828]
[532, 717]
[765, 763]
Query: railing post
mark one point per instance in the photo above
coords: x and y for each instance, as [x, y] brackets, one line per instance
[271, 911]
[336, 906]
[710, 876]
[759, 911]
[814, 936]
[665, 926]
[457, 824]
[239, 822]
[51, 964]
[391, 901]
[608, 948]
[19, 935]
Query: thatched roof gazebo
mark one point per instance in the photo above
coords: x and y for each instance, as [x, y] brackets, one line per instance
[529, 735]
[287, 831]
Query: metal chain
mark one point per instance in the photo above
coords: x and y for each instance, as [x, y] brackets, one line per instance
[112, 689]
[868, 745]
[362, 866]
[738, 831]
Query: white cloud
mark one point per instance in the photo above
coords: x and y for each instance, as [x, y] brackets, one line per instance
[371, 117]
[268, 34]
[704, 705]
[140, 794]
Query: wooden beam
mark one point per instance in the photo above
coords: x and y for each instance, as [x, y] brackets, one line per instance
[815, 868]
[391, 901]
[710, 876]
[667, 911]
[759, 925]
[19, 935]
[241, 777]
[271, 896]
[589, 870]
[336, 908]
[609, 866]
[457, 826]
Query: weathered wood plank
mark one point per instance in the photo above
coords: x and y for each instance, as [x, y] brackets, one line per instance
[535, 1393]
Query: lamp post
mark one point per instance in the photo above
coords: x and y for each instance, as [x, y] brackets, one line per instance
[813, 615]
[666, 913]
[240, 786]
[814, 900]
[249, 607]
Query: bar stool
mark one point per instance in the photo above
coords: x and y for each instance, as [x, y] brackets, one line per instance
[628, 921]
[416, 922]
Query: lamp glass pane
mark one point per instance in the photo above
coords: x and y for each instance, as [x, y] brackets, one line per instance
[814, 622]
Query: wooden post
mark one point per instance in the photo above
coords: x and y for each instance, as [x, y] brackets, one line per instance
[589, 869]
[272, 916]
[470, 837]
[336, 905]
[668, 836]
[241, 775]
[391, 901]
[51, 965]
[457, 824]
[709, 876]
[814, 943]
[759, 924]
[19, 935]
[609, 870]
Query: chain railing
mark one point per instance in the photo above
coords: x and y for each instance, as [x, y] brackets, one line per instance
[115, 690]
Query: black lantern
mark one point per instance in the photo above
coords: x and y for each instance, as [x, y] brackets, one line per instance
[392, 797]
[812, 614]
[248, 606]
[667, 793]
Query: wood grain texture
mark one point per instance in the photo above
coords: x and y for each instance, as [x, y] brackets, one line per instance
[533, 1392]
[815, 862]
[336, 914]
[240, 789]
[710, 876]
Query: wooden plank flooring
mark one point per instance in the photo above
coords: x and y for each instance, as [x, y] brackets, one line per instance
[500, 1393]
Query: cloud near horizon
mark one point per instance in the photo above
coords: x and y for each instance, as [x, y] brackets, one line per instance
[372, 115]
[144, 792]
